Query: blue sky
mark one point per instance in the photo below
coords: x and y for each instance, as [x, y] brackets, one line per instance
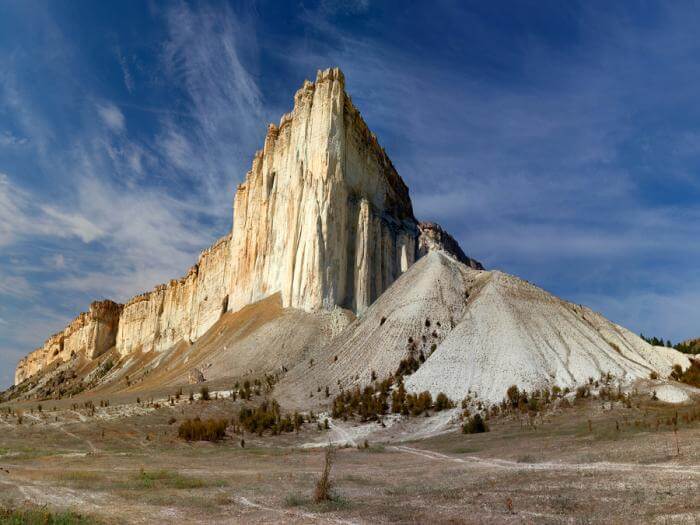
[559, 141]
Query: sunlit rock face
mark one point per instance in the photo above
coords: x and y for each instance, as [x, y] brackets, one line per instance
[89, 335]
[182, 309]
[322, 217]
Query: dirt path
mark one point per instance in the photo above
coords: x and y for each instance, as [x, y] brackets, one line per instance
[515, 465]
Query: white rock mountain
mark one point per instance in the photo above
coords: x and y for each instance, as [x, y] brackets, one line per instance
[322, 218]
[328, 280]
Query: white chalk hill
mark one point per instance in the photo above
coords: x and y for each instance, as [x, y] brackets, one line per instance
[478, 331]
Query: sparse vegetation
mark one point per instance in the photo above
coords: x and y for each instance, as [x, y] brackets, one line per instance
[372, 402]
[369, 404]
[160, 479]
[688, 347]
[267, 416]
[34, 515]
[207, 430]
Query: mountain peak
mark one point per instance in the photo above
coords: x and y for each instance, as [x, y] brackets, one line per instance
[322, 218]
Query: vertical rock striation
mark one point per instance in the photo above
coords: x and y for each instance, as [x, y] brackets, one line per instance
[182, 309]
[322, 217]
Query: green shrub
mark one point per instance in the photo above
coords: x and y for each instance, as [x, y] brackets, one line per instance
[475, 425]
[198, 430]
[417, 404]
[513, 394]
[442, 402]
[267, 416]
[407, 366]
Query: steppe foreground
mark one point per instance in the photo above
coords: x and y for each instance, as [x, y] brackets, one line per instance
[581, 461]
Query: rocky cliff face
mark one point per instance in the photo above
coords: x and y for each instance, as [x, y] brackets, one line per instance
[180, 310]
[322, 217]
[90, 335]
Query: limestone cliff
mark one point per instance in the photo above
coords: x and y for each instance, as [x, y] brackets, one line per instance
[180, 310]
[89, 335]
[322, 217]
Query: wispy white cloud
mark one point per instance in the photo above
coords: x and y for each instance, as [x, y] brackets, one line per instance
[126, 72]
[204, 54]
[8, 139]
[112, 116]
[22, 215]
[16, 286]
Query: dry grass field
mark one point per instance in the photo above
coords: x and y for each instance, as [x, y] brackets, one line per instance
[593, 462]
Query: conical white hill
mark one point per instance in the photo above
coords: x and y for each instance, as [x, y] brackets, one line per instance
[433, 290]
[479, 331]
[515, 333]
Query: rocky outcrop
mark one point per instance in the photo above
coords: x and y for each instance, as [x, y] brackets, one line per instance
[195, 376]
[322, 217]
[181, 310]
[89, 335]
[433, 237]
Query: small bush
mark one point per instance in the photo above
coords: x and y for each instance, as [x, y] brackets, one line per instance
[204, 393]
[417, 404]
[323, 485]
[207, 430]
[442, 402]
[691, 376]
[653, 375]
[582, 392]
[407, 366]
[475, 425]
[513, 394]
